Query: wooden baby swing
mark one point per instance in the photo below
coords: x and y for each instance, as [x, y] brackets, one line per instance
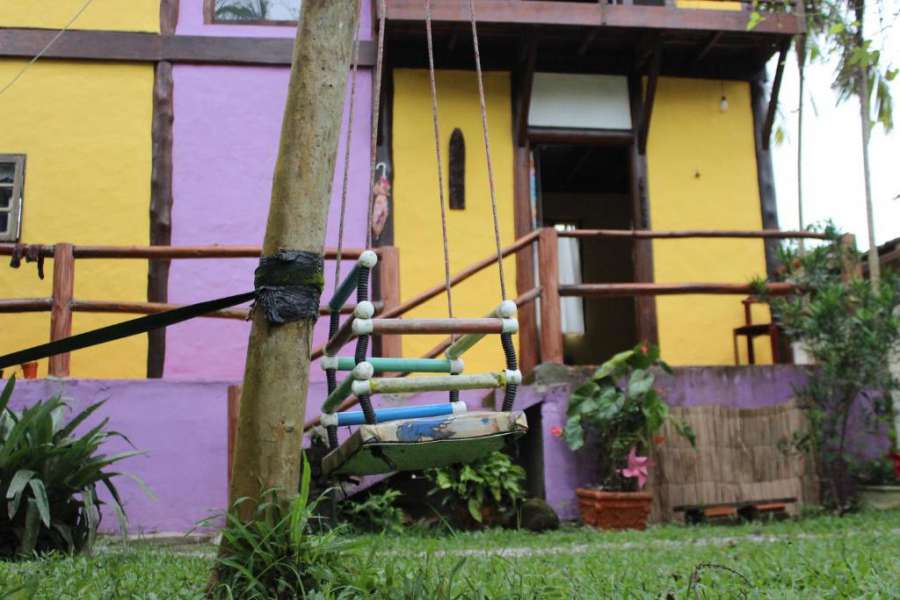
[432, 435]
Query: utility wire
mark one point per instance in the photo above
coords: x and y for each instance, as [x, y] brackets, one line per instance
[44, 50]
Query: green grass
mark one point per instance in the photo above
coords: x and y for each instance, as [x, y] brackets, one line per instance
[816, 557]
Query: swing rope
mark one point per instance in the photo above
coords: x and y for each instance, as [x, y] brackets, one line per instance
[487, 149]
[438, 159]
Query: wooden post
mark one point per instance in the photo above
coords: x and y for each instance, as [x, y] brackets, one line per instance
[528, 343]
[389, 285]
[61, 311]
[234, 404]
[551, 318]
[276, 377]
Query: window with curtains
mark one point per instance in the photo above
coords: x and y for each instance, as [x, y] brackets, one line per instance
[12, 179]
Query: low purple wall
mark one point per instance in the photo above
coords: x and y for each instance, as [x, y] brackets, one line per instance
[181, 427]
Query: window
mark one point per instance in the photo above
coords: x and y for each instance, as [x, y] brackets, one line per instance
[12, 176]
[259, 12]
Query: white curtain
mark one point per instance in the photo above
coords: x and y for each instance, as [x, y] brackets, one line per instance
[570, 273]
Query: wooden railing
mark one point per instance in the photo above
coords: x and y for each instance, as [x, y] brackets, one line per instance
[62, 304]
[548, 337]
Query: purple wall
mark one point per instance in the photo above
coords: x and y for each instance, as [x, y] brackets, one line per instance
[227, 125]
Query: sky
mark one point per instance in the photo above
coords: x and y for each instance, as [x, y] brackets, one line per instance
[833, 186]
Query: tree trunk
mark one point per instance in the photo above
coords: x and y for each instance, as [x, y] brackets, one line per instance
[800, 48]
[864, 112]
[276, 377]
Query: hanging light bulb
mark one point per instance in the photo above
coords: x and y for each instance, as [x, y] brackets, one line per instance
[723, 104]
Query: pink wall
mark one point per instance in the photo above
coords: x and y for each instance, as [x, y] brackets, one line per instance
[226, 131]
[190, 22]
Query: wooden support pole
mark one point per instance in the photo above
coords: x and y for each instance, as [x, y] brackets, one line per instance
[773, 95]
[234, 404]
[276, 378]
[551, 316]
[650, 97]
[389, 284]
[61, 312]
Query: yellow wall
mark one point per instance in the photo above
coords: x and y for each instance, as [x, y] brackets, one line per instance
[417, 229]
[701, 167]
[119, 15]
[85, 128]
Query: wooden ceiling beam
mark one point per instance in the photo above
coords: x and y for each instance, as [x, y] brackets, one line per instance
[707, 47]
[526, 84]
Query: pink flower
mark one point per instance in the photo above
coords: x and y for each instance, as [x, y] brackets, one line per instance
[645, 348]
[556, 431]
[637, 467]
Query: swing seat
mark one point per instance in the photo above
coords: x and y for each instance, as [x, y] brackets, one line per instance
[415, 444]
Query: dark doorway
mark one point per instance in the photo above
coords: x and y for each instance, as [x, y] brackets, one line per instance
[589, 187]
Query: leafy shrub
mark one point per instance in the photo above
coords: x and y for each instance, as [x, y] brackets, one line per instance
[375, 513]
[623, 410]
[849, 326]
[49, 477]
[276, 554]
[489, 489]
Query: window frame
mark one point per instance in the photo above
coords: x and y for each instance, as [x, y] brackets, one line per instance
[16, 200]
[209, 18]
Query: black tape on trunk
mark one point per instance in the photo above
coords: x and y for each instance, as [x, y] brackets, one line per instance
[288, 286]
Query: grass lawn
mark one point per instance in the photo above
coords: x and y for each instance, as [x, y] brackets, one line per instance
[815, 557]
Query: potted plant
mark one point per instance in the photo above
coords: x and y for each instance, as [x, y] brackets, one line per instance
[622, 413]
[878, 482]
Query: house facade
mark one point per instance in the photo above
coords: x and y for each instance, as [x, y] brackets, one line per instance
[159, 126]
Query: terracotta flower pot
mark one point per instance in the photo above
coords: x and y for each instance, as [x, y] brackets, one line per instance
[614, 510]
[29, 370]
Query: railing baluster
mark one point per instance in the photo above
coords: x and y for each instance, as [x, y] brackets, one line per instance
[61, 312]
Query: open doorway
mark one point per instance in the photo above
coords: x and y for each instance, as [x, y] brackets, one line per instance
[589, 187]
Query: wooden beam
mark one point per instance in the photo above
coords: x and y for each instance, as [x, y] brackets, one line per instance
[549, 12]
[592, 137]
[765, 173]
[21, 305]
[649, 98]
[161, 200]
[624, 290]
[773, 96]
[168, 16]
[524, 89]
[646, 325]
[132, 46]
[589, 38]
[61, 313]
[524, 223]
[707, 47]
[648, 234]
[389, 288]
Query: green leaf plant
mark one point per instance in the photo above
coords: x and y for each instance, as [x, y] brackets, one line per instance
[620, 411]
[488, 490]
[849, 327]
[49, 478]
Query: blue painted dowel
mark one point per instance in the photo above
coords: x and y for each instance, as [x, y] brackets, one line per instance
[367, 259]
[405, 365]
[394, 414]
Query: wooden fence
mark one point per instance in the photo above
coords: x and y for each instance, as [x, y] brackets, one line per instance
[548, 337]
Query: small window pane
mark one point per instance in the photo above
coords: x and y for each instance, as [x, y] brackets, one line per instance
[4, 222]
[5, 198]
[7, 172]
[256, 10]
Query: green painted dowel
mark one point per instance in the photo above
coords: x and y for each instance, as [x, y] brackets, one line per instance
[340, 393]
[403, 365]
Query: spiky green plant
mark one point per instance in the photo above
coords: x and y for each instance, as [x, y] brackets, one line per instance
[49, 477]
[277, 554]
